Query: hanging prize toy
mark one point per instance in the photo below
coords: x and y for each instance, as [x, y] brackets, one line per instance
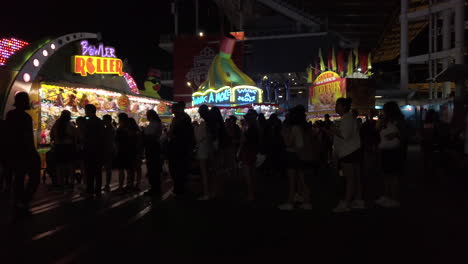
[123, 102]
[59, 100]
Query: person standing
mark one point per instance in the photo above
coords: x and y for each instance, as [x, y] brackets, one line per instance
[136, 155]
[204, 138]
[294, 135]
[63, 135]
[248, 152]
[181, 141]
[109, 149]
[93, 150]
[152, 144]
[392, 147]
[24, 158]
[124, 152]
[347, 147]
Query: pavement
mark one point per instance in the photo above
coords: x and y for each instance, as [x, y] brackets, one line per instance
[430, 226]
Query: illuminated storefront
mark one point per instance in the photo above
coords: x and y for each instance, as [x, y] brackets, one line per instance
[68, 73]
[228, 88]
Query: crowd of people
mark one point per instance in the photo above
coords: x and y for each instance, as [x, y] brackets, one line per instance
[221, 149]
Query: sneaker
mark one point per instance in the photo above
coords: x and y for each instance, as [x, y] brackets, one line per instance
[286, 206]
[120, 190]
[392, 204]
[298, 198]
[382, 201]
[306, 206]
[204, 198]
[342, 208]
[358, 204]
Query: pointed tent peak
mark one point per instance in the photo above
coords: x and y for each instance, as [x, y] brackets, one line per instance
[227, 46]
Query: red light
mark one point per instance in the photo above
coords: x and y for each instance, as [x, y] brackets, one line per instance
[9, 47]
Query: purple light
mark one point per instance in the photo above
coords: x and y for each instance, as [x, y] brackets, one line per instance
[100, 51]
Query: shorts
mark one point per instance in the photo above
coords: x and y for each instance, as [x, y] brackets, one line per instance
[392, 160]
[65, 153]
[355, 157]
[292, 160]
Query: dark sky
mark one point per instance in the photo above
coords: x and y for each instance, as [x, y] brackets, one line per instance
[132, 28]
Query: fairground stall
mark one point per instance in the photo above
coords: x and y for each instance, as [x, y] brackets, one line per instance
[341, 78]
[228, 88]
[70, 72]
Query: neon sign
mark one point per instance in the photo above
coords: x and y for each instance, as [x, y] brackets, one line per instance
[242, 94]
[99, 51]
[85, 65]
[97, 60]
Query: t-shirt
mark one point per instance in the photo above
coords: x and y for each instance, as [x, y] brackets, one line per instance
[93, 139]
[20, 134]
[388, 129]
[350, 140]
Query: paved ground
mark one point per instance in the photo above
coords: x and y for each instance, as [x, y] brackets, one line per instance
[430, 227]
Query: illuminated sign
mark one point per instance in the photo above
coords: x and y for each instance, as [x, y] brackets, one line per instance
[85, 65]
[242, 94]
[99, 51]
[97, 60]
[325, 90]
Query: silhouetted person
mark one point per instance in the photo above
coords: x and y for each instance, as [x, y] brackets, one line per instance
[249, 150]
[93, 148]
[152, 144]
[125, 151]
[136, 154]
[392, 145]
[63, 136]
[181, 140]
[347, 147]
[23, 156]
[109, 149]
[5, 173]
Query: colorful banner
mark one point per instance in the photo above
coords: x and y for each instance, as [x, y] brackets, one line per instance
[192, 59]
[325, 90]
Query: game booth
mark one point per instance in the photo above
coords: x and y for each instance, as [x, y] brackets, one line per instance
[341, 78]
[228, 88]
[70, 72]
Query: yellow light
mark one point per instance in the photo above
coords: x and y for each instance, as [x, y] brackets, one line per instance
[201, 34]
[189, 84]
[265, 77]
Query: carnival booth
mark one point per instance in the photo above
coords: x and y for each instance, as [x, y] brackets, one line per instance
[228, 88]
[340, 78]
[70, 72]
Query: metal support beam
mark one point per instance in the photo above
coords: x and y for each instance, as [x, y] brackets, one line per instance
[197, 28]
[446, 41]
[460, 44]
[422, 59]
[423, 14]
[176, 19]
[404, 46]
